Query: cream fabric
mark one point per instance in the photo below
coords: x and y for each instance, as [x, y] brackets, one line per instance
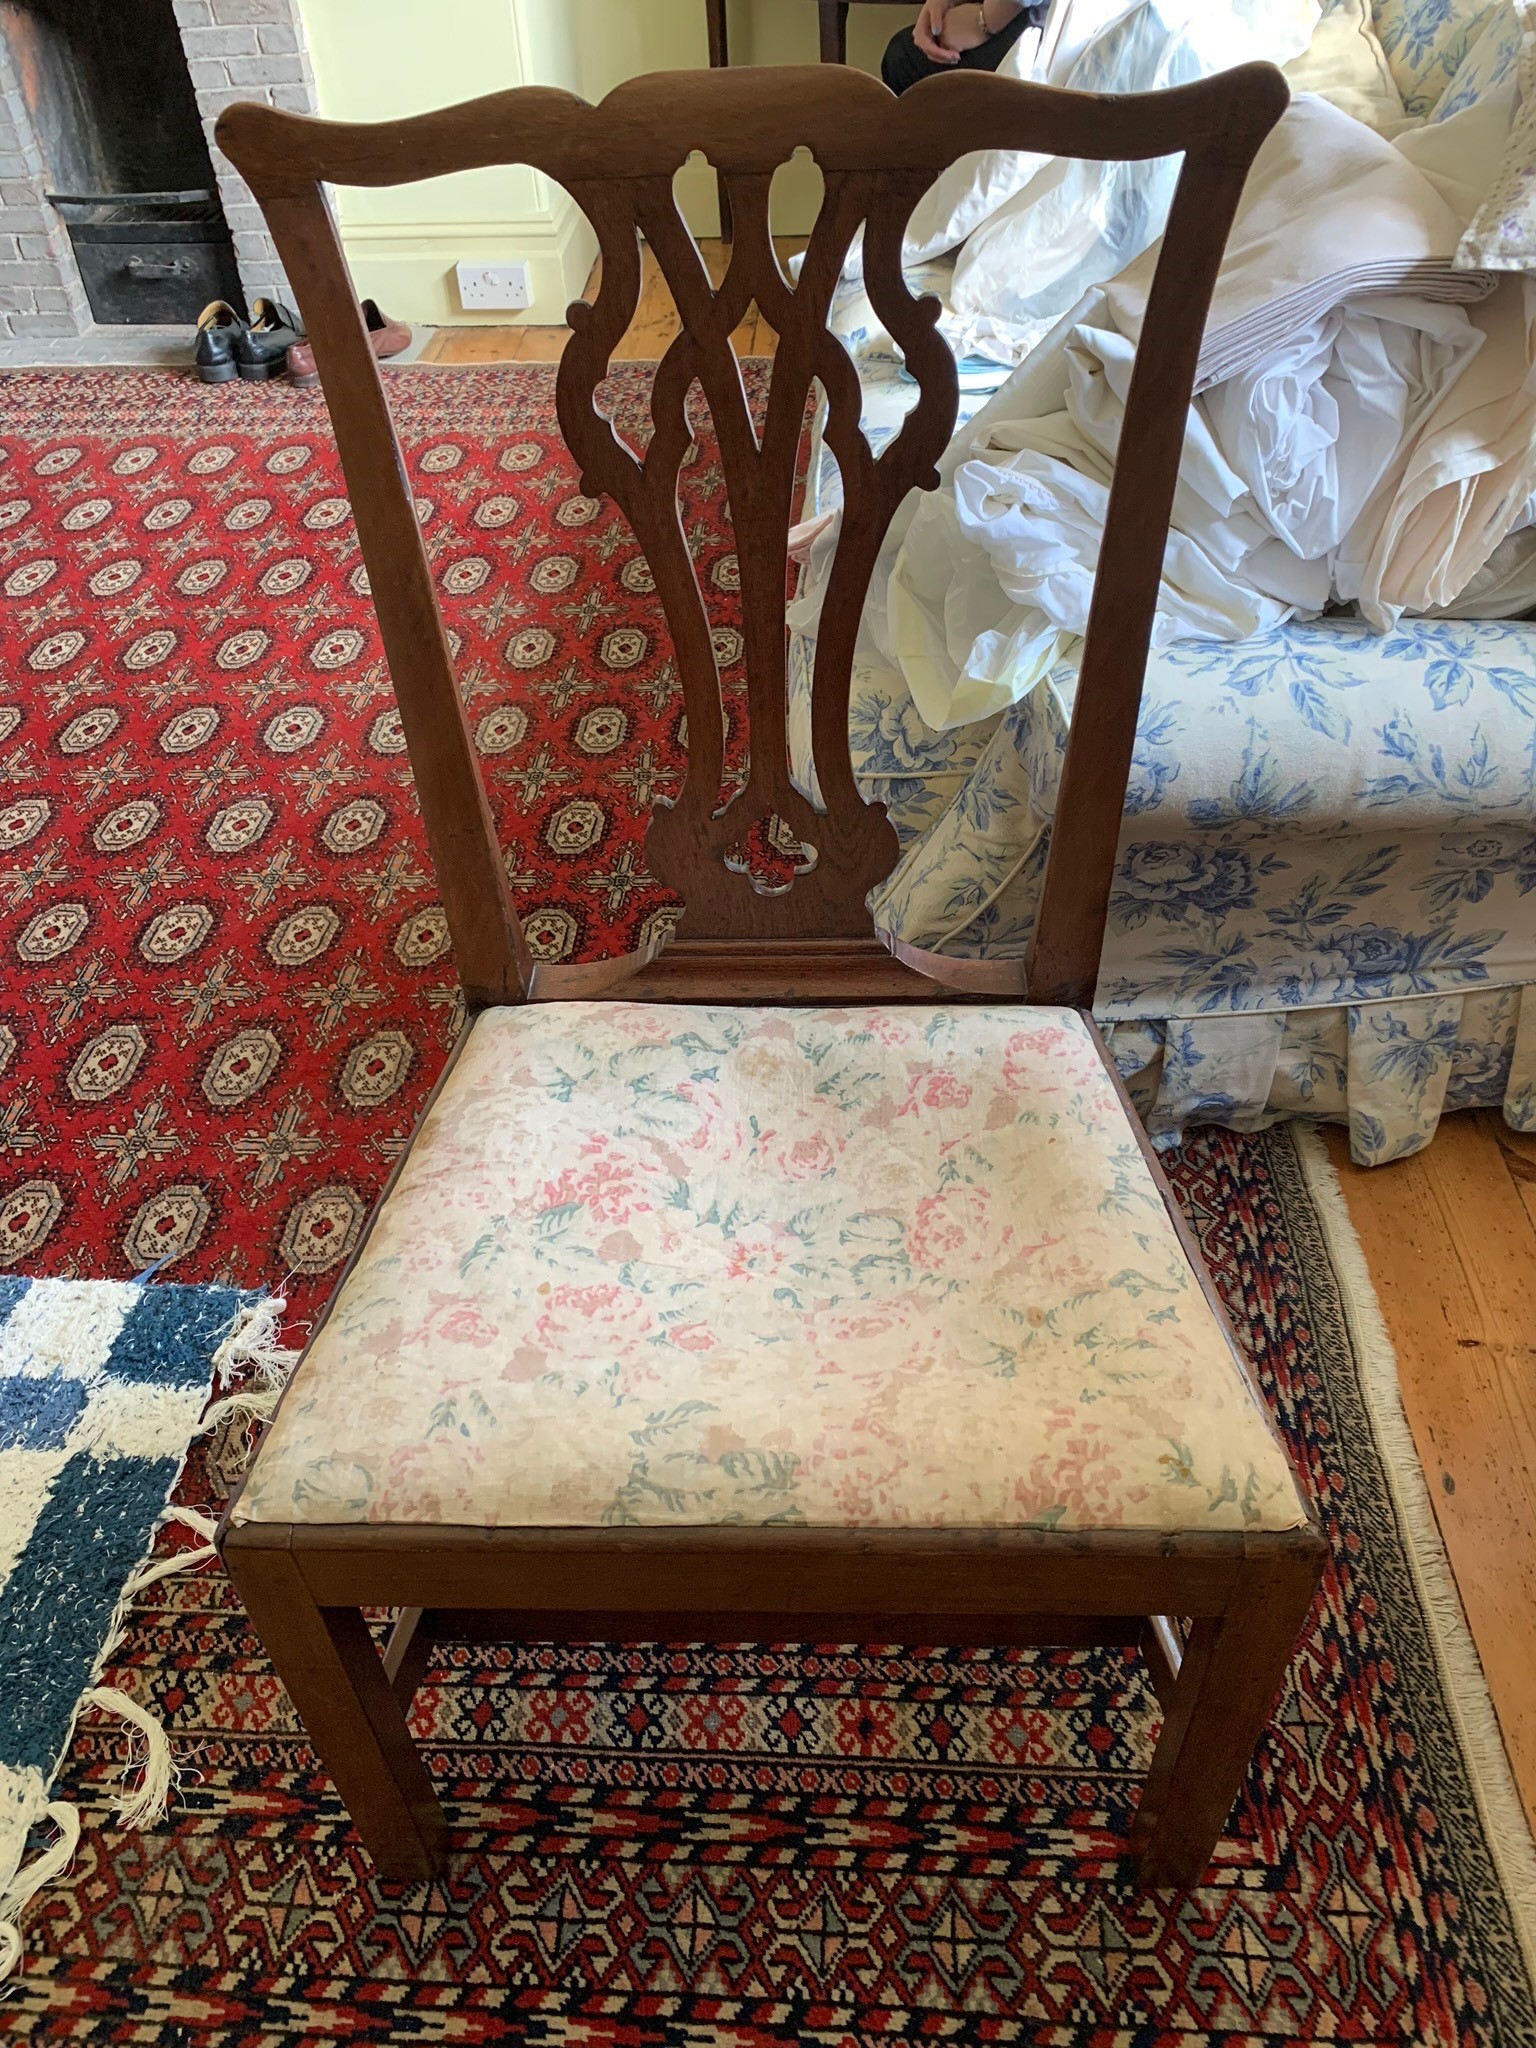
[1345, 64]
[1465, 142]
[1331, 212]
[673, 1265]
[1459, 485]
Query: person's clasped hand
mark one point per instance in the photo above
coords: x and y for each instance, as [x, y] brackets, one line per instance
[928, 32]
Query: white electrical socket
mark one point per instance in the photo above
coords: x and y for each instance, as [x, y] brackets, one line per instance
[493, 287]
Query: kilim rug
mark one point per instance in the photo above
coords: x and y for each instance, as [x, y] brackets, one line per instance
[102, 1384]
[229, 988]
[776, 1844]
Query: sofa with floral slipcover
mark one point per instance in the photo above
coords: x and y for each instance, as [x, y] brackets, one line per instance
[1326, 895]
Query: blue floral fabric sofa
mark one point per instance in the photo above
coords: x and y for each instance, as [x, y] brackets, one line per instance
[1326, 896]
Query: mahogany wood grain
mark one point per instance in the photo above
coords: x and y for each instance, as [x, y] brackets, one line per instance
[1162, 1646]
[813, 941]
[717, 22]
[794, 971]
[732, 1625]
[1068, 938]
[792, 1573]
[832, 27]
[1231, 1667]
[488, 947]
[750, 121]
[409, 1651]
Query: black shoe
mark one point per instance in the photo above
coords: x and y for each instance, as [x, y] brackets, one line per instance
[219, 328]
[261, 347]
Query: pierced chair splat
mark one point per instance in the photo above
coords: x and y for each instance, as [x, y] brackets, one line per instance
[777, 1289]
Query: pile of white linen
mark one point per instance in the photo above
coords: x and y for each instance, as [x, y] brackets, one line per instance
[1072, 223]
[1361, 436]
[1323, 187]
[1034, 232]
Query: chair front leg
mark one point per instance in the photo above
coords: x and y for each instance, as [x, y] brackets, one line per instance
[326, 1659]
[1233, 1666]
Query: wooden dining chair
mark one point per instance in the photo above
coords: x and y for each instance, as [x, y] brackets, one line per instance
[771, 1287]
[831, 28]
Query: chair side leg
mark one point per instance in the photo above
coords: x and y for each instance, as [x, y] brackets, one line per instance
[326, 1659]
[408, 1653]
[1233, 1666]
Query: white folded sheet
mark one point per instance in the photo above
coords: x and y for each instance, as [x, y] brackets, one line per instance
[1322, 185]
[1315, 427]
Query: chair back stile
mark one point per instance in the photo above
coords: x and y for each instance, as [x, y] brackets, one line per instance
[877, 156]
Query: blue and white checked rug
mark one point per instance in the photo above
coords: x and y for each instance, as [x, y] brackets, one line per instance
[102, 1385]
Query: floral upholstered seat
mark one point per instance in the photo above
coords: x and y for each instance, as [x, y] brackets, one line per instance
[670, 1265]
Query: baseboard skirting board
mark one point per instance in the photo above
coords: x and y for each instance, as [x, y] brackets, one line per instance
[409, 266]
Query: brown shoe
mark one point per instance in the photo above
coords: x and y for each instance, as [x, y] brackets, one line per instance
[388, 337]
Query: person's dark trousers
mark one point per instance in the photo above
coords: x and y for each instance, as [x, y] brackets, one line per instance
[904, 63]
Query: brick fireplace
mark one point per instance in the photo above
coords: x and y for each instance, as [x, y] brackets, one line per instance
[231, 50]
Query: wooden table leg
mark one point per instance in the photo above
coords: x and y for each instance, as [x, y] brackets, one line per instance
[719, 56]
[834, 30]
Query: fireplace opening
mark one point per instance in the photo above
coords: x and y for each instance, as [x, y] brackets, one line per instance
[111, 100]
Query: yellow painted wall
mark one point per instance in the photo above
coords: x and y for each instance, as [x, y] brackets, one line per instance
[375, 59]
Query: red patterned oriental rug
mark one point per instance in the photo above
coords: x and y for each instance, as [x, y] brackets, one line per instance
[229, 984]
[228, 991]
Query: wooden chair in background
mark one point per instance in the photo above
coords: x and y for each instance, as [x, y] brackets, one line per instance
[887, 1327]
[832, 26]
[832, 23]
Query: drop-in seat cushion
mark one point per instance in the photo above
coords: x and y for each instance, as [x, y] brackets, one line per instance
[876, 1267]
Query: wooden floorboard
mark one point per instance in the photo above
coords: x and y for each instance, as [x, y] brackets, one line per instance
[650, 333]
[1450, 1238]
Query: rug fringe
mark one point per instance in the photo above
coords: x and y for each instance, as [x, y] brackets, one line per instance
[251, 1347]
[27, 1803]
[1466, 1688]
[24, 1802]
[150, 1799]
[251, 1355]
[179, 1561]
[255, 1403]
